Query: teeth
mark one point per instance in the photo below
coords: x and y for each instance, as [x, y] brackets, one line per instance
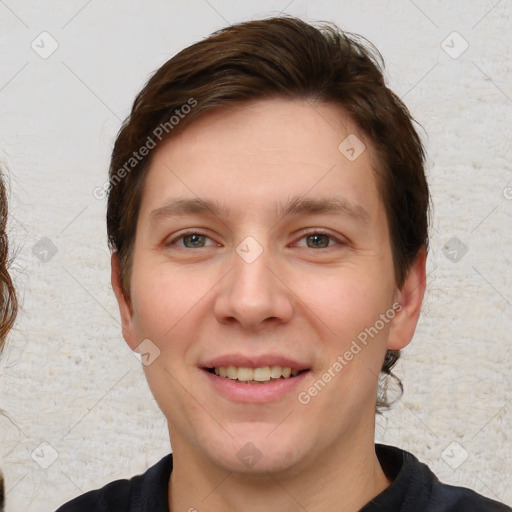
[232, 372]
[261, 374]
[275, 372]
[245, 374]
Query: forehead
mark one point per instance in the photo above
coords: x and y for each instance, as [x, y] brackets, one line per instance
[266, 153]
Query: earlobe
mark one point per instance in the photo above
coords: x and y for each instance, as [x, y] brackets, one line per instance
[410, 297]
[125, 308]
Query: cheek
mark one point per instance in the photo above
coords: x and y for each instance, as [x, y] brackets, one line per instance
[170, 308]
[346, 301]
[163, 307]
[160, 299]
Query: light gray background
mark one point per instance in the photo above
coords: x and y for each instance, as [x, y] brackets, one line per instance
[67, 378]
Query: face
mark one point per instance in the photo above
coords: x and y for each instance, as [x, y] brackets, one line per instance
[260, 245]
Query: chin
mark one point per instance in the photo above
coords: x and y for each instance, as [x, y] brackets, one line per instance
[258, 450]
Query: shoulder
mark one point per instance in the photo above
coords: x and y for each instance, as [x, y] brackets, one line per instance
[140, 493]
[461, 499]
[415, 487]
[114, 496]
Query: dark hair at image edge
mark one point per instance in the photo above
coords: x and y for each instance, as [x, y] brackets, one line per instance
[8, 299]
[286, 58]
[9, 303]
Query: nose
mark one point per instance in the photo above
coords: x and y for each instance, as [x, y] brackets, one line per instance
[254, 294]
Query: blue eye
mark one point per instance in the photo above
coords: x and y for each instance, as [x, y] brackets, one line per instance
[191, 240]
[195, 240]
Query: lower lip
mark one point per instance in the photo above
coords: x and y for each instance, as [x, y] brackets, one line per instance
[254, 393]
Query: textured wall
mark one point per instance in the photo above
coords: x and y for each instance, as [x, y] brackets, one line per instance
[67, 378]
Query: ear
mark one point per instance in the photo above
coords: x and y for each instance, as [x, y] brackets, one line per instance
[410, 296]
[125, 308]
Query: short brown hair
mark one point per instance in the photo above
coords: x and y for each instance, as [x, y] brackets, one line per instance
[281, 57]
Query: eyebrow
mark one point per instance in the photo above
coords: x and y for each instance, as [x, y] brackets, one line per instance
[295, 206]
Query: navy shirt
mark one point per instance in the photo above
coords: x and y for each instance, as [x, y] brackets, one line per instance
[414, 489]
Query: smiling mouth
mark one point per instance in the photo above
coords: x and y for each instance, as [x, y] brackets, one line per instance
[261, 375]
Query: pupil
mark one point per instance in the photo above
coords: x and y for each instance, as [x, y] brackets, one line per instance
[318, 238]
[193, 239]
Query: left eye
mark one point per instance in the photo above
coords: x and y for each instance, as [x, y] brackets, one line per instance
[318, 240]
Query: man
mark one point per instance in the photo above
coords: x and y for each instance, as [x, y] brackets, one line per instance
[8, 300]
[268, 216]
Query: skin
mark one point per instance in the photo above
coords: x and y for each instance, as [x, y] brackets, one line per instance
[296, 299]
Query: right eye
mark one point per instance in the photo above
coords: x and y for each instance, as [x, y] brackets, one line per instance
[190, 240]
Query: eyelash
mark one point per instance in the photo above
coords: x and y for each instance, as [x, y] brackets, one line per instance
[304, 235]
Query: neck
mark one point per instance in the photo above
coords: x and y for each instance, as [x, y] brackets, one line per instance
[336, 480]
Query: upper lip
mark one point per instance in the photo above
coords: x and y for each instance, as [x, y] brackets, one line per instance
[241, 360]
